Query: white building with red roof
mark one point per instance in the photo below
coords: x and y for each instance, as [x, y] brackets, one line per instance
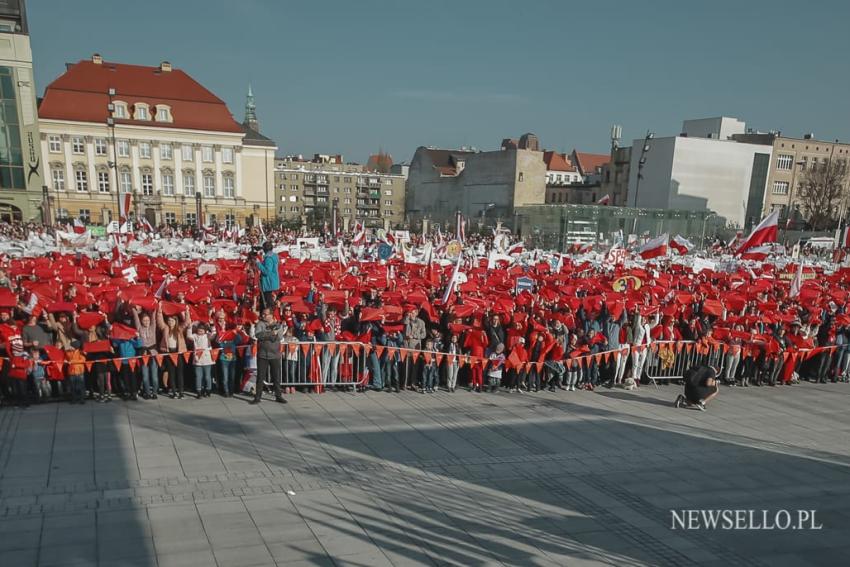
[156, 133]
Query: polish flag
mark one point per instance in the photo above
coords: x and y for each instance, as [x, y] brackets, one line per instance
[797, 282]
[766, 231]
[681, 244]
[452, 282]
[758, 253]
[79, 227]
[518, 248]
[124, 203]
[359, 235]
[655, 247]
[604, 200]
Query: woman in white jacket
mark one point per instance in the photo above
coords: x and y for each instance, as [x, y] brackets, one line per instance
[203, 359]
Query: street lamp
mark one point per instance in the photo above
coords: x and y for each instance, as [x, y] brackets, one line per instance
[110, 123]
[641, 163]
[704, 221]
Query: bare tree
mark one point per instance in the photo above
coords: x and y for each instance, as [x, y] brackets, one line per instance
[822, 193]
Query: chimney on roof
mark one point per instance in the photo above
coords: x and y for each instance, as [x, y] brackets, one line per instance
[97, 59]
[165, 67]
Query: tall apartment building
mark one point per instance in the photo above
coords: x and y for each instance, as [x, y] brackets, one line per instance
[21, 167]
[792, 157]
[306, 191]
[158, 134]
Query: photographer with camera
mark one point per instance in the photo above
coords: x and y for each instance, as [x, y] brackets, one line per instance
[268, 332]
[269, 276]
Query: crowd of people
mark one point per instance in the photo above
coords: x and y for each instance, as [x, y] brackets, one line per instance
[74, 327]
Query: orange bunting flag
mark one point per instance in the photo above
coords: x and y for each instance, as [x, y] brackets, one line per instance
[216, 352]
[159, 359]
[117, 363]
[133, 362]
[146, 358]
[331, 348]
[379, 350]
[187, 356]
[175, 358]
[88, 365]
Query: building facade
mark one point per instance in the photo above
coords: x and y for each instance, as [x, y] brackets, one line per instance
[695, 174]
[615, 176]
[307, 191]
[108, 129]
[479, 184]
[792, 158]
[21, 160]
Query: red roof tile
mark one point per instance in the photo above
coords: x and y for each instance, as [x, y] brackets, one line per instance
[80, 94]
[589, 163]
[557, 162]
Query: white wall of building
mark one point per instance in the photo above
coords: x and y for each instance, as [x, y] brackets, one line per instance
[718, 128]
[695, 174]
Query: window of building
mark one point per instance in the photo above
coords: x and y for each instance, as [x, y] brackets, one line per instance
[388, 203]
[212, 219]
[295, 177]
[189, 184]
[520, 178]
[186, 150]
[227, 155]
[294, 188]
[119, 110]
[165, 151]
[209, 186]
[347, 200]
[12, 174]
[142, 112]
[229, 220]
[126, 182]
[100, 146]
[388, 193]
[293, 198]
[347, 190]
[191, 218]
[85, 216]
[347, 179]
[207, 153]
[147, 184]
[81, 180]
[58, 179]
[123, 148]
[144, 150]
[170, 218]
[62, 214]
[229, 187]
[321, 199]
[167, 184]
[784, 161]
[78, 145]
[780, 187]
[162, 114]
[54, 144]
[103, 181]
[347, 211]
[293, 209]
[804, 161]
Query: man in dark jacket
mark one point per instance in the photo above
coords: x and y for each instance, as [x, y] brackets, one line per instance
[268, 333]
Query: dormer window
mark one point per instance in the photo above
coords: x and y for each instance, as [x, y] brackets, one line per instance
[142, 111]
[119, 109]
[163, 113]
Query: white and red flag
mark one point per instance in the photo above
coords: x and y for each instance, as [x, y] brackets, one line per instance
[655, 247]
[125, 202]
[517, 248]
[766, 231]
[606, 199]
[359, 235]
[797, 282]
[681, 244]
[79, 227]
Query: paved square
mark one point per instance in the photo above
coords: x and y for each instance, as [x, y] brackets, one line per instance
[378, 479]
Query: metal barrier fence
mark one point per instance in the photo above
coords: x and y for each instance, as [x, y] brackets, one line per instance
[317, 365]
[668, 360]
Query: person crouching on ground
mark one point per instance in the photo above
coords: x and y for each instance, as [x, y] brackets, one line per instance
[700, 387]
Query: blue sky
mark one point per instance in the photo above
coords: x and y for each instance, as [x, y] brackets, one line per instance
[350, 77]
